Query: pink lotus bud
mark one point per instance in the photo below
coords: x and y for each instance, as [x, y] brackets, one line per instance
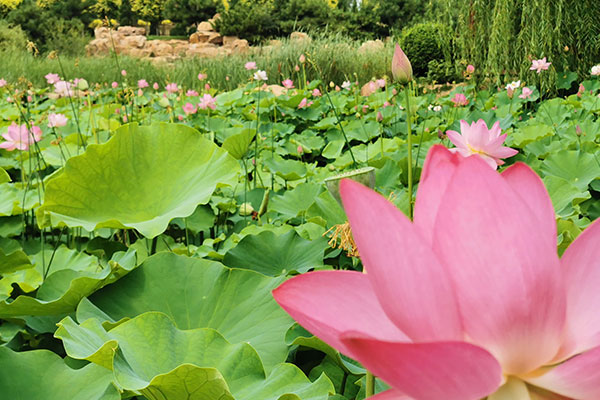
[296, 68]
[114, 85]
[578, 130]
[140, 92]
[124, 118]
[155, 86]
[379, 116]
[401, 68]
[180, 117]
[123, 72]
[29, 99]
[302, 58]
[206, 86]
[470, 69]
[300, 149]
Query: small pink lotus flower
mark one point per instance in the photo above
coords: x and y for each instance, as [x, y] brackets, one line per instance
[380, 83]
[202, 76]
[581, 90]
[172, 88]
[316, 92]
[18, 137]
[300, 149]
[386, 104]
[123, 72]
[525, 93]
[478, 139]
[596, 70]
[539, 65]
[189, 108]
[180, 117]
[155, 86]
[206, 87]
[63, 89]
[29, 98]
[459, 100]
[207, 101]
[302, 59]
[250, 65]
[288, 84]
[443, 312]
[191, 93]
[125, 119]
[401, 68]
[304, 103]
[142, 84]
[260, 75]
[296, 68]
[114, 85]
[57, 120]
[470, 69]
[140, 92]
[52, 78]
[2, 83]
[379, 117]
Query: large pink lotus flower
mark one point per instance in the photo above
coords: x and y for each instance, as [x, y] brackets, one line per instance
[57, 120]
[172, 88]
[288, 84]
[250, 65]
[18, 137]
[52, 78]
[189, 108]
[471, 300]
[142, 84]
[539, 65]
[526, 93]
[478, 139]
[207, 101]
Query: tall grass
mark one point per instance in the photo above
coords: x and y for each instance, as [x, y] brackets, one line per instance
[336, 58]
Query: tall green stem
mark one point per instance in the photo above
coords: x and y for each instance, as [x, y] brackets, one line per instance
[409, 144]
[370, 385]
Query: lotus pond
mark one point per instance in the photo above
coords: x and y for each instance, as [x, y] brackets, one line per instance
[143, 230]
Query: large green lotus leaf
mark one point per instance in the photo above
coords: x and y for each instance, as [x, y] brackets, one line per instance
[275, 255]
[290, 170]
[151, 355]
[565, 196]
[63, 289]
[573, 166]
[237, 145]
[199, 293]
[12, 257]
[142, 178]
[11, 198]
[295, 201]
[43, 375]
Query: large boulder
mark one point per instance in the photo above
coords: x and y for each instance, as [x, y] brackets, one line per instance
[103, 32]
[159, 48]
[205, 51]
[228, 40]
[98, 47]
[239, 46]
[215, 38]
[131, 31]
[136, 41]
[205, 26]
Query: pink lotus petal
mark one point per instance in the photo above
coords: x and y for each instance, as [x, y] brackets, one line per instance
[438, 168]
[506, 272]
[582, 280]
[413, 287]
[531, 189]
[578, 377]
[390, 395]
[457, 139]
[430, 371]
[328, 303]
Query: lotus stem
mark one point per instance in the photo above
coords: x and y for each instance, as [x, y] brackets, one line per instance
[370, 385]
[409, 145]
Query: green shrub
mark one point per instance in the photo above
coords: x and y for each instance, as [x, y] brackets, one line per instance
[423, 43]
[441, 71]
[12, 37]
[185, 13]
[303, 15]
[253, 21]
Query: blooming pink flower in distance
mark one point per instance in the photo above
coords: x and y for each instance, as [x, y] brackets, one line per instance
[526, 93]
[316, 92]
[478, 139]
[470, 69]
[191, 93]
[304, 103]
[123, 72]
[56, 120]
[189, 108]
[250, 65]
[142, 84]
[459, 100]
[18, 137]
[444, 311]
[380, 83]
[202, 76]
[114, 85]
[539, 65]
[172, 88]
[207, 101]
[2, 83]
[155, 86]
[288, 83]
[52, 78]
[63, 88]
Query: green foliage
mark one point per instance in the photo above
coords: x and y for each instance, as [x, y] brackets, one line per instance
[250, 20]
[189, 12]
[148, 9]
[423, 43]
[12, 38]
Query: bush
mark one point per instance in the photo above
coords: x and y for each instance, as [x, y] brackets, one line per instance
[189, 12]
[423, 43]
[441, 71]
[12, 37]
[253, 21]
[303, 15]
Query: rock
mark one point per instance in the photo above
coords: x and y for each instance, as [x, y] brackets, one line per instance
[103, 32]
[228, 40]
[98, 47]
[240, 46]
[162, 60]
[139, 53]
[131, 31]
[215, 38]
[205, 51]
[158, 48]
[205, 26]
[136, 41]
[371, 46]
[300, 36]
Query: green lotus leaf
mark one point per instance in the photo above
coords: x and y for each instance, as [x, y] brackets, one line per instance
[12, 257]
[573, 166]
[4, 177]
[295, 201]
[64, 288]
[237, 145]
[290, 170]
[160, 361]
[11, 198]
[275, 255]
[43, 375]
[198, 293]
[142, 178]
